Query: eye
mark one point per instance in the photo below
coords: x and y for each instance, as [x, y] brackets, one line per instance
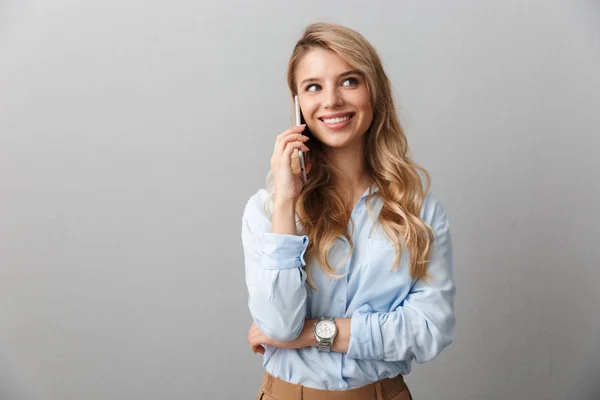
[350, 82]
[313, 87]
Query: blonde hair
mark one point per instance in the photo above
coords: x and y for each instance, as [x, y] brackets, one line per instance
[322, 211]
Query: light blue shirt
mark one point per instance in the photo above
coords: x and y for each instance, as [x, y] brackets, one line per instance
[394, 319]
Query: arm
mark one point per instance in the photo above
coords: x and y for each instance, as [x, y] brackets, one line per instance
[256, 338]
[422, 326]
[274, 257]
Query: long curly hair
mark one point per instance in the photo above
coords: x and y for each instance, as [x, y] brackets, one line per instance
[322, 208]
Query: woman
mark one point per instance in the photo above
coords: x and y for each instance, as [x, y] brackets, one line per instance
[350, 275]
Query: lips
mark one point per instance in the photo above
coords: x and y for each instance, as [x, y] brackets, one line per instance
[336, 121]
[336, 118]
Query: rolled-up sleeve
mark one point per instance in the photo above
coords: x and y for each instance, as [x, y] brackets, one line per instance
[275, 276]
[282, 251]
[422, 326]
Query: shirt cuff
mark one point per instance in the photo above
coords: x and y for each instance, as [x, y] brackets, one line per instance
[283, 251]
[366, 342]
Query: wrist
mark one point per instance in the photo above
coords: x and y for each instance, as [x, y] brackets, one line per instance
[342, 339]
[284, 204]
[308, 335]
[284, 218]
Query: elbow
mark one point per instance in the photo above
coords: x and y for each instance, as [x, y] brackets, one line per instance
[440, 342]
[283, 324]
[439, 339]
[284, 335]
[281, 331]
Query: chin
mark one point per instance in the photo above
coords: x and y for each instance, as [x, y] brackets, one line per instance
[336, 144]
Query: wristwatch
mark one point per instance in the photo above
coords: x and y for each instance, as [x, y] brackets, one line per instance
[325, 331]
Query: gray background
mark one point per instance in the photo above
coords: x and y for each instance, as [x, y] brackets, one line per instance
[133, 132]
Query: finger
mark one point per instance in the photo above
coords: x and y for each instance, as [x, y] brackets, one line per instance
[258, 349]
[258, 337]
[280, 140]
[280, 147]
[293, 137]
[252, 335]
[290, 139]
[293, 129]
[286, 158]
[289, 148]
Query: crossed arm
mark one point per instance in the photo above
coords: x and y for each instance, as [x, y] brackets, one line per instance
[418, 329]
[256, 337]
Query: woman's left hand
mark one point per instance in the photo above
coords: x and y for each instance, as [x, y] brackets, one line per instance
[256, 339]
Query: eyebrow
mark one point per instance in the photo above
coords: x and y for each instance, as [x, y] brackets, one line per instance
[343, 74]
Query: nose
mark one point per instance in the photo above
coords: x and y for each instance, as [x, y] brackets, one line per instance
[333, 97]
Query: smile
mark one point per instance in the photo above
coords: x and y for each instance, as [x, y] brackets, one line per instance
[337, 122]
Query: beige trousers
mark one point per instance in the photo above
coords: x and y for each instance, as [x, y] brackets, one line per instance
[273, 388]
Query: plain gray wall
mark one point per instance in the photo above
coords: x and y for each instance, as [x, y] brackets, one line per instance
[133, 132]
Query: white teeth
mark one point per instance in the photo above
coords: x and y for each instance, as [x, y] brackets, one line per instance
[337, 120]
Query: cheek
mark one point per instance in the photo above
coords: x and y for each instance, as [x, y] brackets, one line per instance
[307, 108]
[367, 111]
[362, 101]
[366, 103]
[309, 111]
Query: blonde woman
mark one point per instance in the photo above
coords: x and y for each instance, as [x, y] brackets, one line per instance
[350, 275]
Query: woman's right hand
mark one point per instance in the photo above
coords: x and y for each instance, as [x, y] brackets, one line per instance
[288, 184]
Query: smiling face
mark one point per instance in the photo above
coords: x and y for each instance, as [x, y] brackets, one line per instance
[334, 99]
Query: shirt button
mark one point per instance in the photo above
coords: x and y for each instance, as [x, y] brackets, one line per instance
[342, 386]
[340, 300]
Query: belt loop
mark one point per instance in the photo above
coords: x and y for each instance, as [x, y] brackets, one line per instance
[378, 390]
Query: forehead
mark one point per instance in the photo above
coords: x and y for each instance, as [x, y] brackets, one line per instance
[321, 63]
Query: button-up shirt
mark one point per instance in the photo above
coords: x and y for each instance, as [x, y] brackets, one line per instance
[394, 319]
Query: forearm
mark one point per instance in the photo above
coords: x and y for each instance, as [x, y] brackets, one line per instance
[274, 276]
[342, 339]
[274, 261]
[340, 343]
[405, 334]
[422, 325]
[279, 310]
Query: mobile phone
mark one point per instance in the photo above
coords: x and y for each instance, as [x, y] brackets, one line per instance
[300, 152]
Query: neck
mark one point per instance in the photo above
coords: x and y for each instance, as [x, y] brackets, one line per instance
[351, 164]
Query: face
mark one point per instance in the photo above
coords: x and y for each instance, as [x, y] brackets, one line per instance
[334, 99]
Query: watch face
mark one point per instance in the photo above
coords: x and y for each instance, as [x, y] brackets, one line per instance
[325, 329]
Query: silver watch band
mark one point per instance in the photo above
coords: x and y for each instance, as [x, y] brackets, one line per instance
[324, 345]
